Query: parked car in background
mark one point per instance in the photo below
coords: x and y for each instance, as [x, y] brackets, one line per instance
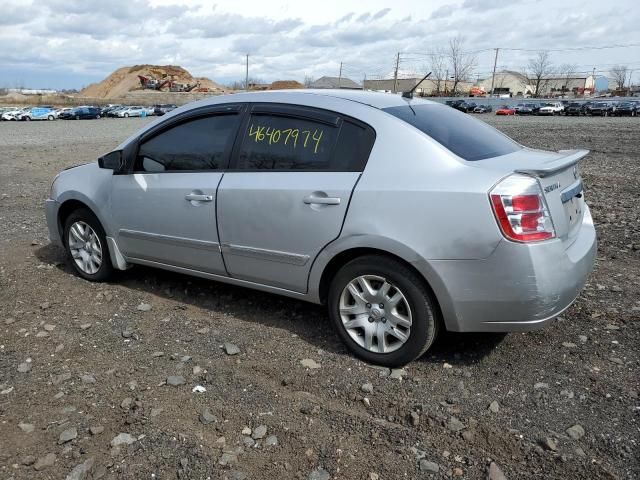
[114, 112]
[164, 108]
[505, 110]
[573, 109]
[466, 107]
[274, 191]
[602, 109]
[38, 113]
[551, 108]
[108, 109]
[59, 111]
[81, 113]
[586, 107]
[630, 109]
[482, 109]
[135, 111]
[526, 108]
[12, 114]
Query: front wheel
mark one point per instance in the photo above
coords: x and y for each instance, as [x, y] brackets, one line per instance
[86, 245]
[383, 311]
[50, 117]
[126, 115]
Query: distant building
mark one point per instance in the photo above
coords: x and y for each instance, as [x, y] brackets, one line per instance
[507, 82]
[516, 84]
[428, 87]
[335, 82]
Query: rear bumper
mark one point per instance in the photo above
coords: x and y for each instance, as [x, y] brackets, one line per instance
[51, 212]
[519, 287]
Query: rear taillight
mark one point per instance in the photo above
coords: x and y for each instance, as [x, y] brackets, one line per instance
[521, 210]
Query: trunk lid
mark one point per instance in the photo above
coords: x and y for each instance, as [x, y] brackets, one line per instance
[560, 180]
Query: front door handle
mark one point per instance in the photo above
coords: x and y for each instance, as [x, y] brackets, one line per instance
[311, 200]
[195, 197]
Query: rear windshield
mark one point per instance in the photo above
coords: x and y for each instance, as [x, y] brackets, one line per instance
[462, 134]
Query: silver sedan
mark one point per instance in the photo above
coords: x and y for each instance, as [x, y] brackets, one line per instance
[403, 216]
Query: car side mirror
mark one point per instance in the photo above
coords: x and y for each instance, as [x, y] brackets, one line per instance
[111, 161]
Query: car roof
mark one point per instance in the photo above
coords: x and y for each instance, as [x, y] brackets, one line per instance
[373, 99]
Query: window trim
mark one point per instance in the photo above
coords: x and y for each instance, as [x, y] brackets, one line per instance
[191, 115]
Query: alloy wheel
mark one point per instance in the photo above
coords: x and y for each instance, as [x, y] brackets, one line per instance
[85, 247]
[375, 313]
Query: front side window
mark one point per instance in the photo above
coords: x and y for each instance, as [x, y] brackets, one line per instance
[467, 137]
[275, 142]
[199, 144]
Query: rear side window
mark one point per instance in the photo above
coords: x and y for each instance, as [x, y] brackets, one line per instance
[279, 142]
[200, 144]
[463, 135]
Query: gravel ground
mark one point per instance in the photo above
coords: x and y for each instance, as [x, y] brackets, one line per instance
[96, 380]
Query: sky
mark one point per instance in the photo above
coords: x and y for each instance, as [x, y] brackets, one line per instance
[69, 44]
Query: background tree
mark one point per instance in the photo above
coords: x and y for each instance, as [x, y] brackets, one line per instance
[567, 70]
[538, 72]
[619, 74]
[438, 67]
[308, 80]
[461, 63]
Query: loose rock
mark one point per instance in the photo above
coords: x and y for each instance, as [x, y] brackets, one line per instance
[495, 473]
[144, 307]
[494, 407]
[454, 424]
[206, 417]
[271, 441]
[429, 467]
[319, 474]
[81, 470]
[24, 367]
[231, 349]
[367, 388]
[44, 462]
[122, 439]
[548, 444]
[68, 435]
[26, 427]
[96, 430]
[309, 363]
[576, 432]
[175, 380]
[259, 432]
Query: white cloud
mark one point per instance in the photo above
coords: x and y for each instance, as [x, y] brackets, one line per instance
[75, 42]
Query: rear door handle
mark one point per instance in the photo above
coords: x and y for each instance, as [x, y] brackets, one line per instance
[311, 200]
[195, 197]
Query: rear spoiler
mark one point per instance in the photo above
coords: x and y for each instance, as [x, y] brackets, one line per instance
[565, 160]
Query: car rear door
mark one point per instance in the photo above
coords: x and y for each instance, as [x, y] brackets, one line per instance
[287, 191]
[164, 210]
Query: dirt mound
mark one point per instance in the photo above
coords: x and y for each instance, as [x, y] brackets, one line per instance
[126, 79]
[285, 85]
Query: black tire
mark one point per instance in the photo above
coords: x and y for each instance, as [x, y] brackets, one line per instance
[77, 117]
[105, 271]
[425, 314]
[50, 117]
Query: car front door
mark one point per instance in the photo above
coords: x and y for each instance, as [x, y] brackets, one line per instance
[287, 191]
[164, 210]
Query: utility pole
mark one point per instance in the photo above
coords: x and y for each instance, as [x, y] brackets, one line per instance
[446, 79]
[246, 77]
[395, 74]
[340, 77]
[493, 77]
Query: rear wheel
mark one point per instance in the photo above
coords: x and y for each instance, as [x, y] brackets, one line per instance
[382, 310]
[86, 245]
[126, 115]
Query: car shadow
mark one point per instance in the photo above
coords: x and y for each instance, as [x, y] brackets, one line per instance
[306, 320]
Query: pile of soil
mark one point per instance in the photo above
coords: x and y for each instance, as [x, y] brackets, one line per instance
[285, 85]
[125, 79]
